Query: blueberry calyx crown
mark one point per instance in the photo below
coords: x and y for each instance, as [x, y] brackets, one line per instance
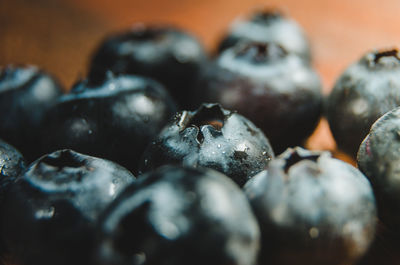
[266, 16]
[212, 115]
[260, 52]
[63, 161]
[384, 58]
[64, 158]
[292, 156]
[389, 53]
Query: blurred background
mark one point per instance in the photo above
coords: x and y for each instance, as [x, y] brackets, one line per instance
[60, 35]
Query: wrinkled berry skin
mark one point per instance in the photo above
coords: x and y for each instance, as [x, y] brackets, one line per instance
[211, 137]
[364, 92]
[26, 93]
[166, 54]
[115, 120]
[269, 25]
[53, 207]
[378, 158]
[276, 90]
[177, 216]
[312, 209]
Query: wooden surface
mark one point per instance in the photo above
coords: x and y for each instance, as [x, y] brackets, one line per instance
[59, 35]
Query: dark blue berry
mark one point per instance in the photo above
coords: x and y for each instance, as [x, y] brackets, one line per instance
[52, 209]
[115, 120]
[269, 25]
[211, 137]
[365, 91]
[312, 209]
[274, 89]
[378, 158]
[179, 216]
[12, 164]
[26, 93]
[169, 55]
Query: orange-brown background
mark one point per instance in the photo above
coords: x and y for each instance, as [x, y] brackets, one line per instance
[59, 35]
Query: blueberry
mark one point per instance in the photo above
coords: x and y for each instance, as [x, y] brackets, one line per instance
[53, 207]
[312, 209]
[12, 164]
[178, 216]
[275, 90]
[114, 120]
[365, 91]
[211, 137]
[169, 55]
[269, 25]
[378, 158]
[26, 92]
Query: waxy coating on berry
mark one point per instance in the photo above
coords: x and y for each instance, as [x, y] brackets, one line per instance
[115, 120]
[274, 89]
[177, 215]
[164, 53]
[312, 209]
[211, 137]
[52, 209]
[378, 158]
[269, 25]
[364, 92]
[26, 92]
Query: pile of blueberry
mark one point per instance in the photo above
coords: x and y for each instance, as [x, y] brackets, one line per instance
[200, 134]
